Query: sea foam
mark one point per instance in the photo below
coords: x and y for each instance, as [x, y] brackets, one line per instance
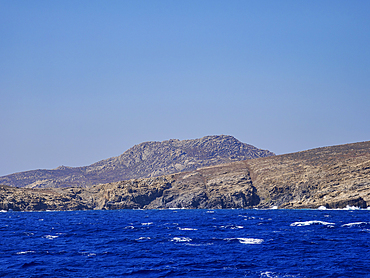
[312, 222]
[25, 252]
[181, 239]
[50, 237]
[355, 224]
[250, 240]
[246, 240]
[143, 238]
[351, 208]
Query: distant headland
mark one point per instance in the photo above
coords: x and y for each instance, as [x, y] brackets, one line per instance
[213, 172]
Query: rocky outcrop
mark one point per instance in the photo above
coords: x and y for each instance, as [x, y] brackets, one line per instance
[224, 186]
[149, 159]
[22, 199]
[334, 177]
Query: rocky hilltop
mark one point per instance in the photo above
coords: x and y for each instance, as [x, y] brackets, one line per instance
[334, 177]
[149, 159]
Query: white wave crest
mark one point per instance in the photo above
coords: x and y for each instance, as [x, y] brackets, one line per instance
[269, 274]
[198, 244]
[351, 208]
[25, 252]
[312, 222]
[144, 238]
[346, 208]
[246, 240]
[88, 254]
[50, 237]
[181, 239]
[187, 229]
[231, 227]
[354, 224]
[147, 224]
[250, 240]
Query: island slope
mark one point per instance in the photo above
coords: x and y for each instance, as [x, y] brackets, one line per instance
[334, 177]
[148, 159]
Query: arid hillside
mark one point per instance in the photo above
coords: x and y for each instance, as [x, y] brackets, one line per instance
[148, 159]
[334, 177]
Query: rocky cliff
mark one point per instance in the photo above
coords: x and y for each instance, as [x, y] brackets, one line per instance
[224, 186]
[149, 159]
[334, 177]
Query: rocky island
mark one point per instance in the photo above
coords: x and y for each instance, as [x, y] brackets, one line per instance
[148, 159]
[333, 177]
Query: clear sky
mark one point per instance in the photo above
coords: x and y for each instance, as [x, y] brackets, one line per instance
[82, 81]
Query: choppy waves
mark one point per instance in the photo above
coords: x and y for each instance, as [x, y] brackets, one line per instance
[187, 243]
[329, 224]
[246, 240]
[311, 222]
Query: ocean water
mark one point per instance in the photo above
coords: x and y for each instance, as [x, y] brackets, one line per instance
[186, 243]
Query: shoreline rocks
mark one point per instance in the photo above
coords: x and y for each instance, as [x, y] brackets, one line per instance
[332, 177]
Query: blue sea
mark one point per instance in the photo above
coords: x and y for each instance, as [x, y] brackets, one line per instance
[186, 243]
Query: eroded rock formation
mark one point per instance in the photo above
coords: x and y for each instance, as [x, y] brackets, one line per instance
[334, 177]
[224, 186]
[149, 159]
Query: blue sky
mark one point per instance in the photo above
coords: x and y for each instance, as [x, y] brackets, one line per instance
[82, 81]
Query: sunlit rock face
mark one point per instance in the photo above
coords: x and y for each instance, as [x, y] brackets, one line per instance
[149, 159]
[331, 177]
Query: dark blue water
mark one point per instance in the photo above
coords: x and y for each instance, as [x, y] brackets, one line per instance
[185, 243]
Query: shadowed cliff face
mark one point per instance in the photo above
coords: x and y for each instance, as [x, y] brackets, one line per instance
[149, 159]
[224, 186]
[334, 177]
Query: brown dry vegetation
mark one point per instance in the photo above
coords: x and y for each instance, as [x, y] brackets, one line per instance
[333, 177]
